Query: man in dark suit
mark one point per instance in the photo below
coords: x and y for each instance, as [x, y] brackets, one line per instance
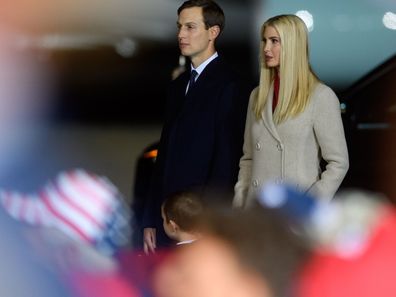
[201, 140]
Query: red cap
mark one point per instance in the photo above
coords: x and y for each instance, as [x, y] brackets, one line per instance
[370, 273]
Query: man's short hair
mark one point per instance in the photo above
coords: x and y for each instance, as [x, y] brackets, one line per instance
[185, 209]
[212, 13]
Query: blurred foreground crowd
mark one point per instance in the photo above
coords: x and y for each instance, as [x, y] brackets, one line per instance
[58, 243]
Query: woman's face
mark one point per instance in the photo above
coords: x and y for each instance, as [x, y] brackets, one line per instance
[272, 47]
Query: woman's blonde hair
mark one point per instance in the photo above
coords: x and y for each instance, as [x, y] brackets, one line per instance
[297, 79]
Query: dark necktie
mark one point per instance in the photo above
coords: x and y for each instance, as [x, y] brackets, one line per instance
[193, 75]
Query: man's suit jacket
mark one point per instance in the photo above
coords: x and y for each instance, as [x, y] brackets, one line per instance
[201, 140]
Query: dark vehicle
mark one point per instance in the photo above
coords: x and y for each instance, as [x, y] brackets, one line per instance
[369, 113]
[141, 185]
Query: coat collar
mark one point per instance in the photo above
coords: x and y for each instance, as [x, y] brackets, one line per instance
[209, 73]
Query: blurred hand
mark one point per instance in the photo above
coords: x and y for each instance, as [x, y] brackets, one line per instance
[149, 240]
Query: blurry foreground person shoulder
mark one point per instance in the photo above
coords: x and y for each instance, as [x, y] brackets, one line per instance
[21, 274]
[293, 120]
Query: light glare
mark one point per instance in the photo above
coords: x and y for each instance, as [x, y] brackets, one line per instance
[389, 20]
[307, 18]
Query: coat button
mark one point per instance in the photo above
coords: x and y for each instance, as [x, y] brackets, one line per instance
[258, 146]
[279, 146]
[255, 183]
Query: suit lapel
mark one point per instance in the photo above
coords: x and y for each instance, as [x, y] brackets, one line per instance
[208, 75]
[178, 96]
[205, 78]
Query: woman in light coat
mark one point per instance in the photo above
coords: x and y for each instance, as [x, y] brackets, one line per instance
[293, 121]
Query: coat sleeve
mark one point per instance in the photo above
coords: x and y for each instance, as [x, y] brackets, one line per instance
[229, 128]
[152, 205]
[329, 131]
[245, 163]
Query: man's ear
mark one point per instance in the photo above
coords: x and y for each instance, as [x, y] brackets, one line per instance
[174, 226]
[214, 31]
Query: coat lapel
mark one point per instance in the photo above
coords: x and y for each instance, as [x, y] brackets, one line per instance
[267, 115]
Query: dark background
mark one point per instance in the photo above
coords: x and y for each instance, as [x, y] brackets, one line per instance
[101, 86]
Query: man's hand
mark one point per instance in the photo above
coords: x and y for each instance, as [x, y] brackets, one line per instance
[149, 240]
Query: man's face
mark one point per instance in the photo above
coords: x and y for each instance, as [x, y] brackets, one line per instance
[195, 41]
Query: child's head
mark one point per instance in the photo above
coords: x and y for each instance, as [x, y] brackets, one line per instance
[181, 214]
